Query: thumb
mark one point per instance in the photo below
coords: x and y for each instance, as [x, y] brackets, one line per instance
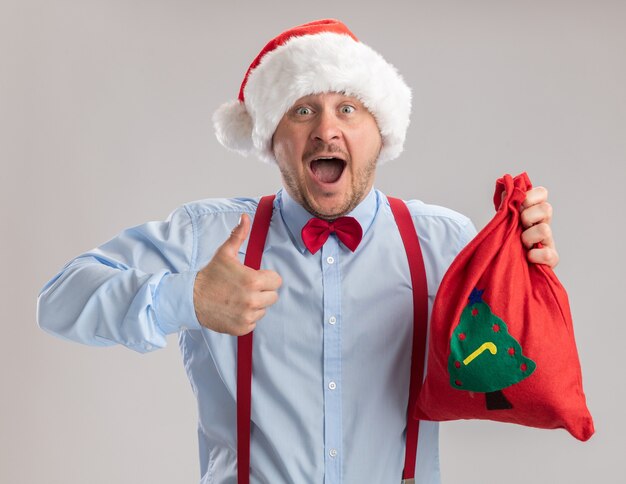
[240, 233]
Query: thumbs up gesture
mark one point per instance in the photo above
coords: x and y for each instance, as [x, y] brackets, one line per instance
[228, 296]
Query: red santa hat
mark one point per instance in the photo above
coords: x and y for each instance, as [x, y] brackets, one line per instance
[317, 57]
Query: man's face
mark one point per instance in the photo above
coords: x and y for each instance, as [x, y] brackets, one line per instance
[326, 147]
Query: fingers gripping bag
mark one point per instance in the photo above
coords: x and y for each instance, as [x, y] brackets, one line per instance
[501, 343]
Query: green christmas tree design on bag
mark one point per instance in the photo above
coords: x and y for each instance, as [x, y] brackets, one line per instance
[484, 357]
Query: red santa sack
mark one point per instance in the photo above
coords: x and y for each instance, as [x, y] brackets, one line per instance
[501, 341]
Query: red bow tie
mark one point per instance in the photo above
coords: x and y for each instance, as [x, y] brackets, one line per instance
[316, 232]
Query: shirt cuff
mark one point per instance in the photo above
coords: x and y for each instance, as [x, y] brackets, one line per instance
[173, 303]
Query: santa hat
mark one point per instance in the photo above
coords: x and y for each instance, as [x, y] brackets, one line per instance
[317, 57]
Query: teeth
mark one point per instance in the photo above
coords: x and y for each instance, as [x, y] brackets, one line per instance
[328, 158]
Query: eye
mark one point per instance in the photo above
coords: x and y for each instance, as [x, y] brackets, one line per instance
[303, 111]
[347, 109]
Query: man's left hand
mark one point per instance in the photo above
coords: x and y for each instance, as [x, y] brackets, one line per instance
[536, 215]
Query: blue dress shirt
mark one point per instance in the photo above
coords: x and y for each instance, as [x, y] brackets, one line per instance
[331, 358]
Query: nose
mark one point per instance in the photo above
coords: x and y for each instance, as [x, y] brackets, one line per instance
[327, 127]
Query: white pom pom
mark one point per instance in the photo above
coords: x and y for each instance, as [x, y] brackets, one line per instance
[233, 127]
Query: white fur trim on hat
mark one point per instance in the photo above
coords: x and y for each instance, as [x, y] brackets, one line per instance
[233, 127]
[312, 64]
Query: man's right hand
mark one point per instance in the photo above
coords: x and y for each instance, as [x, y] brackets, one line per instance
[228, 296]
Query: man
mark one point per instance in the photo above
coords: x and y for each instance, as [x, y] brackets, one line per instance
[332, 322]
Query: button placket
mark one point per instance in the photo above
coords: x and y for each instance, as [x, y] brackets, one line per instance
[331, 281]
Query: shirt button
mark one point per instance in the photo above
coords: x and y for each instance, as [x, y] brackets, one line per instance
[332, 385]
[330, 260]
[333, 453]
[332, 320]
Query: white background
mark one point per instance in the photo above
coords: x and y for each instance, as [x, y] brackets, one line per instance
[105, 113]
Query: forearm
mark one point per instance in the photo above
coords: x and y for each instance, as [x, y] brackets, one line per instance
[101, 303]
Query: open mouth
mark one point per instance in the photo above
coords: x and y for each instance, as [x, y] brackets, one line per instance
[327, 169]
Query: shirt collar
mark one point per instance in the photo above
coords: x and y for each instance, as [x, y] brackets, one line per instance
[296, 216]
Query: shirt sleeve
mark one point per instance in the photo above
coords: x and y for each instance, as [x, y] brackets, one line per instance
[133, 290]
[467, 233]
[443, 233]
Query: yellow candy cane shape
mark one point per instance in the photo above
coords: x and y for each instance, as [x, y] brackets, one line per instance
[485, 346]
